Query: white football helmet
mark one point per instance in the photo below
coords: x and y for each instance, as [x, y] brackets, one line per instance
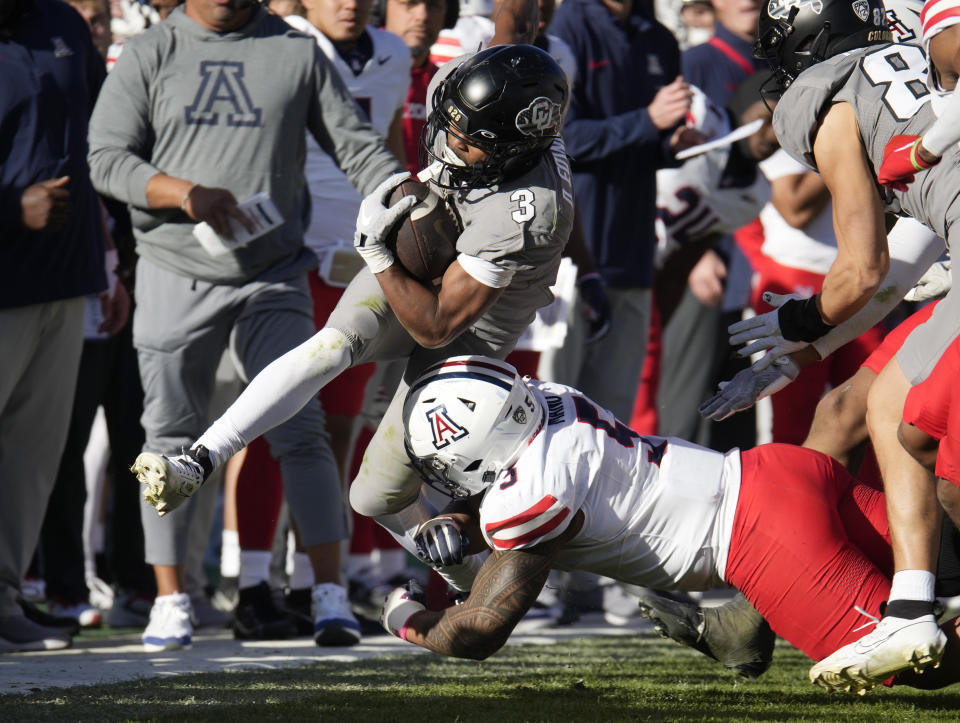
[903, 18]
[466, 419]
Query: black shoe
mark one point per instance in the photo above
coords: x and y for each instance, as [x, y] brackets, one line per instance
[69, 626]
[734, 633]
[257, 616]
[296, 604]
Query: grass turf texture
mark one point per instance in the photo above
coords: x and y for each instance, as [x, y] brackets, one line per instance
[589, 679]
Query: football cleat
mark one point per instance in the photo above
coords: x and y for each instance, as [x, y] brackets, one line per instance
[894, 646]
[257, 616]
[171, 480]
[734, 633]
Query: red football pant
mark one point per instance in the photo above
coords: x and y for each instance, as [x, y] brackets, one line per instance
[809, 543]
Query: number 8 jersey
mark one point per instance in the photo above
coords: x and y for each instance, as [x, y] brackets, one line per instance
[886, 86]
[658, 511]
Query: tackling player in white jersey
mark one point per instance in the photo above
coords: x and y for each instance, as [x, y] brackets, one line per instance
[545, 478]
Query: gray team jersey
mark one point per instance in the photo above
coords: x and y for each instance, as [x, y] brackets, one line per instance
[226, 110]
[521, 225]
[886, 85]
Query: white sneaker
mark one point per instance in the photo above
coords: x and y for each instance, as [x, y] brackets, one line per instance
[83, 612]
[169, 480]
[895, 645]
[333, 620]
[171, 624]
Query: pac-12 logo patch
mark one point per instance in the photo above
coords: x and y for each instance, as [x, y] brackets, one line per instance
[861, 8]
[445, 429]
[778, 9]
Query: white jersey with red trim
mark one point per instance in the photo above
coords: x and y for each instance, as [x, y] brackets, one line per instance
[658, 512]
[380, 89]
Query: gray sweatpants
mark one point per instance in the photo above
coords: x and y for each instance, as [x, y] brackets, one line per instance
[180, 328]
[39, 357]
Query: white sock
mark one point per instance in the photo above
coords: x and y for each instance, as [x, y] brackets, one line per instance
[300, 572]
[913, 585]
[390, 563]
[359, 565]
[254, 568]
[229, 553]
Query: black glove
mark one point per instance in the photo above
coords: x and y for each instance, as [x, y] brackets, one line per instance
[596, 306]
[441, 542]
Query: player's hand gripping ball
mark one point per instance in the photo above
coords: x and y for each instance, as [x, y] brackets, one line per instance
[425, 242]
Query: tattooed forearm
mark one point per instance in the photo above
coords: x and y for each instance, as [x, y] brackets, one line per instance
[505, 588]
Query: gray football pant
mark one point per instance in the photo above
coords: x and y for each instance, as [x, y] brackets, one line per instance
[386, 482]
[921, 350]
[38, 376]
[181, 327]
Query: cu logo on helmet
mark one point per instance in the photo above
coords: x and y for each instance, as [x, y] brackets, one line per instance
[540, 117]
[778, 9]
[445, 429]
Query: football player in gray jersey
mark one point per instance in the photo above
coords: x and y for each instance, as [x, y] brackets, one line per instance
[502, 166]
[848, 92]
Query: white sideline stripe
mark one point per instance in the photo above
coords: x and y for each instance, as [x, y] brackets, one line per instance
[92, 662]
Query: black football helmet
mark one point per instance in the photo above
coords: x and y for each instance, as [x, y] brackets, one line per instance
[508, 100]
[795, 34]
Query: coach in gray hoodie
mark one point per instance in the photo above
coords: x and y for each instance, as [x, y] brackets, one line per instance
[202, 110]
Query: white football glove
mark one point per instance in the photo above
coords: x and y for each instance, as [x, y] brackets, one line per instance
[763, 331]
[400, 605]
[936, 281]
[375, 221]
[748, 387]
[441, 542]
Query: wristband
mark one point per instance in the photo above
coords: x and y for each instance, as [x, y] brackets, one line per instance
[403, 631]
[800, 320]
[916, 161]
[186, 197]
[588, 277]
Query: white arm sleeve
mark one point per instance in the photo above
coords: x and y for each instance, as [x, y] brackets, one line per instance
[946, 129]
[913, 247]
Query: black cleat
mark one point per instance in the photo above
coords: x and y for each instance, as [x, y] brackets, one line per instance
[257, 616]
[734, 633]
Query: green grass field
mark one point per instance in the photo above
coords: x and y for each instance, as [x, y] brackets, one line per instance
[631, 678]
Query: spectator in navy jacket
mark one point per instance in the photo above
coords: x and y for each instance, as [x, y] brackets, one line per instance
[51, 256]
[624, 120]
[695, 354]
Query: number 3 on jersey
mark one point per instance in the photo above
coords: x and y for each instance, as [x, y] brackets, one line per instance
[525, 210]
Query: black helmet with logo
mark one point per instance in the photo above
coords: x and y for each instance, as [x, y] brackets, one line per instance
[796, 34]
[508, 100]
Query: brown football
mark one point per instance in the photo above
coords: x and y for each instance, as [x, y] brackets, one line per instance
[425, 243]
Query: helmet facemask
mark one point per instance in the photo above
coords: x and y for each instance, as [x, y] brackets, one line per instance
[466, 420]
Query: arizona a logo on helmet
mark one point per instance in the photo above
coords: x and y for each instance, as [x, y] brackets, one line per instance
[445, 430]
